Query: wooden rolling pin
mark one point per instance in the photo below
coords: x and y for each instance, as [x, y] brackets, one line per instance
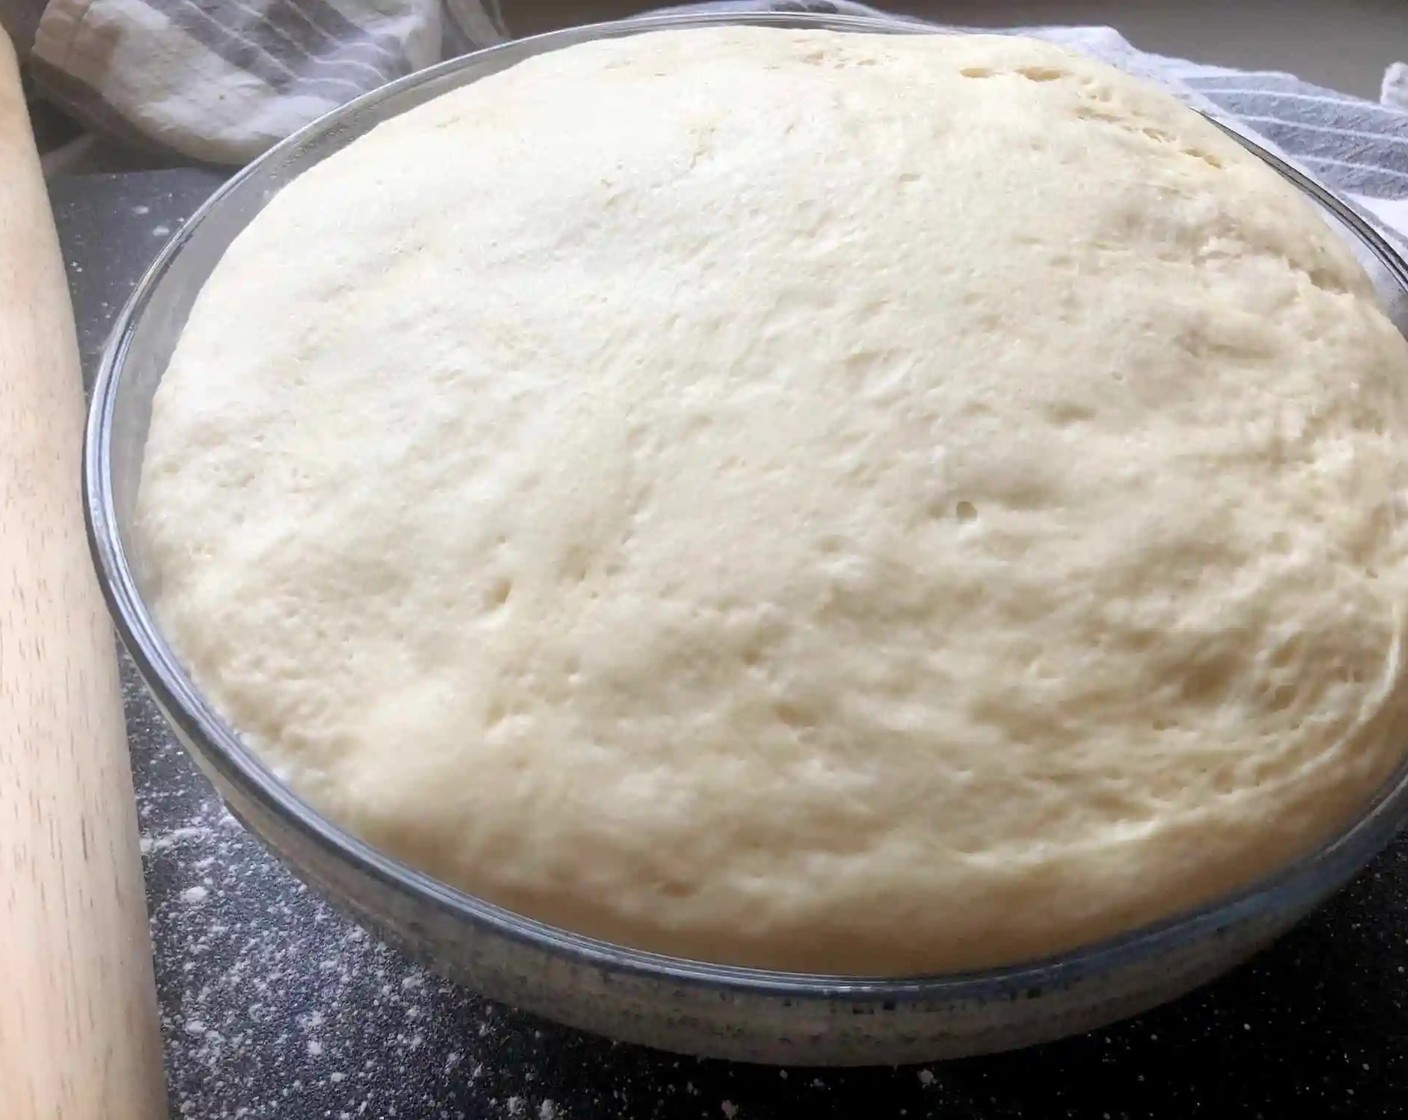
[78, 1019]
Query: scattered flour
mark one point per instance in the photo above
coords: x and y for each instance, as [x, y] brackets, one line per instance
[151, 845]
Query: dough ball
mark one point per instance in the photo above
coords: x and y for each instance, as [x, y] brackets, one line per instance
[865, 504]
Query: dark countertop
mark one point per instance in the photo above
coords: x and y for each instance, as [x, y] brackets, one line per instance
[274, 1006]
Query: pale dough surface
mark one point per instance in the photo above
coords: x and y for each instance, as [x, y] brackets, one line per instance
[867, 504]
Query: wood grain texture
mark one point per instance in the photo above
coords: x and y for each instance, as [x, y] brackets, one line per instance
[78, 1021]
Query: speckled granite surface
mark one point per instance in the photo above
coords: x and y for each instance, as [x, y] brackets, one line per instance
[273, 1006]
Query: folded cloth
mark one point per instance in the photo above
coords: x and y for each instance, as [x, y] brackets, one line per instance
[222, 80]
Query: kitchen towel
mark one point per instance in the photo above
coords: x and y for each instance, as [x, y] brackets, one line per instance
[222, 80]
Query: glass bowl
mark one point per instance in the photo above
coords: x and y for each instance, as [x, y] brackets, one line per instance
[636, 996]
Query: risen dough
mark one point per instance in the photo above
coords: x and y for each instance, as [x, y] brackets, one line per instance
[868, 504]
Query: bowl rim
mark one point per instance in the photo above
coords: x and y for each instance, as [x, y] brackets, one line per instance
[1290, 889]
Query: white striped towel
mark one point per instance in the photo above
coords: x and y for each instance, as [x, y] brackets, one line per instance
[220, 81]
